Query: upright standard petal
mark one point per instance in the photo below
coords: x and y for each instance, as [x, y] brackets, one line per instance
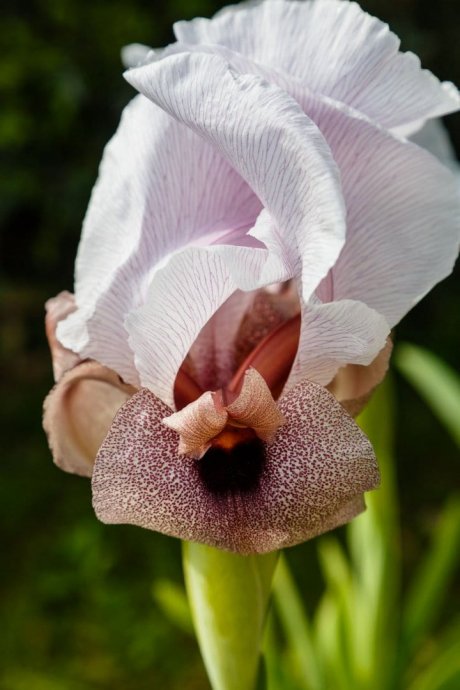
[267, 138]
[403, 221]
[184, 294]
[336, 49]
[160, 188]
[313, 477]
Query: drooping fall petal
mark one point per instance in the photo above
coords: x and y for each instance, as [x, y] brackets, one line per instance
[335, 49]
[314, 474]
[78, 413]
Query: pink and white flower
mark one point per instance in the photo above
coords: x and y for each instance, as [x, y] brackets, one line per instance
[260, 209]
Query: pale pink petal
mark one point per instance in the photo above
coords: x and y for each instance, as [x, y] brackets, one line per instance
[403, 222]
[354, 384]
[334, 334]
[266, 137]
[255, 408]
[434, 137]
[57, 309]
[160, 188]
[135, 54]
[197, 424]
[183, 296]
[401, 238]
[314, 475]
[78, 413]
[335, 49]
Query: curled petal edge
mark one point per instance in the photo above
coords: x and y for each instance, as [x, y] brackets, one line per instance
[354, 384]
[57, 309]
[78, 413]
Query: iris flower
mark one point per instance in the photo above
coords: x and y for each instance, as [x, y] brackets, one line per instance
[260, 223]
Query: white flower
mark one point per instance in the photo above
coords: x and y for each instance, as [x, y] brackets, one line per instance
[269, 144]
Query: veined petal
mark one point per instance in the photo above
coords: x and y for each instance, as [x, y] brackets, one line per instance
[336, 49]
[403, 222]
[183, 296]
[266, 137]
[78, 413]
[314, 476]
[422, 215]
[434, 137]
[335, 334]
[160, 188]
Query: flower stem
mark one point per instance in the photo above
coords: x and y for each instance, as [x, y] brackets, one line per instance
[228, 596]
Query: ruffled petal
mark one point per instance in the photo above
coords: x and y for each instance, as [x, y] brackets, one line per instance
[335, 49]
[335, 334]
[314, 476]
[78, 413]
[266, 137]
[160, 188]
[403, 223]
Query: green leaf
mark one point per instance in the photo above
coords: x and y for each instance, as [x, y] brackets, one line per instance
[172, 600]
[228, 596]
[374, 540]
[432, 580]
[436, 382]
[443, 670]
[294, 620]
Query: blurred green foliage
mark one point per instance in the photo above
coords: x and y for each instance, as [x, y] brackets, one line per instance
[77, 607]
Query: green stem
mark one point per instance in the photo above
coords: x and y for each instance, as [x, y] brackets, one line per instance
[228, 596]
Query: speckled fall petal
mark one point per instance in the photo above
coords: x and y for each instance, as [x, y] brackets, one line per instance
[314, 476]
[78, 413]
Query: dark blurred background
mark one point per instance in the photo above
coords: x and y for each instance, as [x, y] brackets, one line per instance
[77, 608]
